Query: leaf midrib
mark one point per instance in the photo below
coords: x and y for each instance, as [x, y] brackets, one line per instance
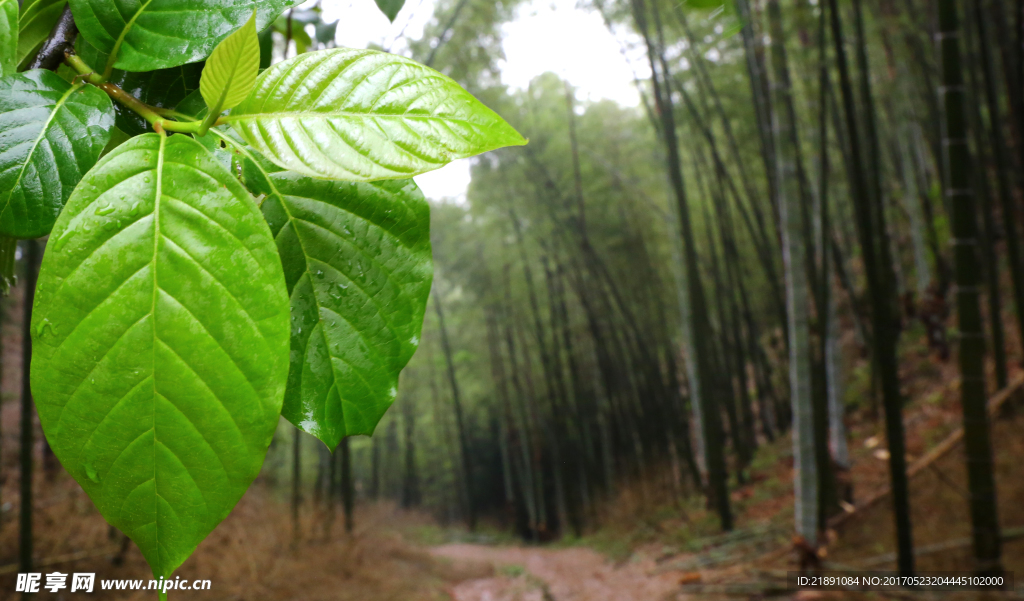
[154, 263]
[124, 33]
[327, 114]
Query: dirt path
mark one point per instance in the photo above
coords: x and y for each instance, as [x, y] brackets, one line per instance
[573, 574]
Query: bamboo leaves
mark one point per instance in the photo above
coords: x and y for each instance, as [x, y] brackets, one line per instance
[160, 350]
[51, 133]
[363, 115]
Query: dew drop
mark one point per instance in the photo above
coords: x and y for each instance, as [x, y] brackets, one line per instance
[90, 471]
[59, 242]
[106, 209]
[43, 327]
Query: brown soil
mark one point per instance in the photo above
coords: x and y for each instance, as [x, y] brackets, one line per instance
[573, 574]
[251, 556]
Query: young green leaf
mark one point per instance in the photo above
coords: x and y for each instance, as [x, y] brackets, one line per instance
[160, 342]
[364, 115]
[37, 19]
[8, 37]
[358, 265]
[390, 8]
[51, 133]
[231, 70]
[156, 34]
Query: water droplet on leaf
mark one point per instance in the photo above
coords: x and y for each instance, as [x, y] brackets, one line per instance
[90, 471]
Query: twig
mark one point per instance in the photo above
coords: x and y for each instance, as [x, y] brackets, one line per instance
[995, 403]
[62, 37]
[441, 39]
[1007, 535]
[151, 114]
[740, 589]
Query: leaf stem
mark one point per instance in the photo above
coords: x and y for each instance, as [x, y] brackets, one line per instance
[155, 116]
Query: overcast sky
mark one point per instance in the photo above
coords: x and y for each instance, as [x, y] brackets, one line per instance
[546, 35]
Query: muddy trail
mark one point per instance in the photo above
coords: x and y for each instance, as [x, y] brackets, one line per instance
[562, 574]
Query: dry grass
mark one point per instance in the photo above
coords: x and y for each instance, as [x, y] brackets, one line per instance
[252, 555]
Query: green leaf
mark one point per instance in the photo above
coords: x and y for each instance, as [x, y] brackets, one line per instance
[266, 47]
[231, 70]
[326, 32]
[364, 115]
[302, 40]
[390, 8]
[156, 34]
[8, 37]
[37, 19]
[160, 343]
[358, 265]
[51, 133]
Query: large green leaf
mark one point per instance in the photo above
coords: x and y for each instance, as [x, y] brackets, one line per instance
[8, 36]
[363, 115]
[231, 70]
[156, 34]
[51, 133]
[358, 265]
[160, 342]
[37, 19]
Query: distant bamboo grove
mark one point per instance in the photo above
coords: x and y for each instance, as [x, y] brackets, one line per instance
[649, 294]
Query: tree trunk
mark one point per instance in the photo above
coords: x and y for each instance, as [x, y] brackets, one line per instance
[296, 484]
[467, 471]
[805, 467]
[411, 481]
[348, 499]
[984, 520]
[32, 257]
[1010, 220]
[986, 241]
[884, 338]
[715, 456]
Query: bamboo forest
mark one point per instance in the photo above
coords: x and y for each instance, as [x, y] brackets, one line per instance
[727, 300]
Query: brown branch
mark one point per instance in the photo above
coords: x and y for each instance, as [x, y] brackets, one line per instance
[62, 38]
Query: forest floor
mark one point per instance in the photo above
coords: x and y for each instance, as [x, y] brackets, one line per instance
[648, 547]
